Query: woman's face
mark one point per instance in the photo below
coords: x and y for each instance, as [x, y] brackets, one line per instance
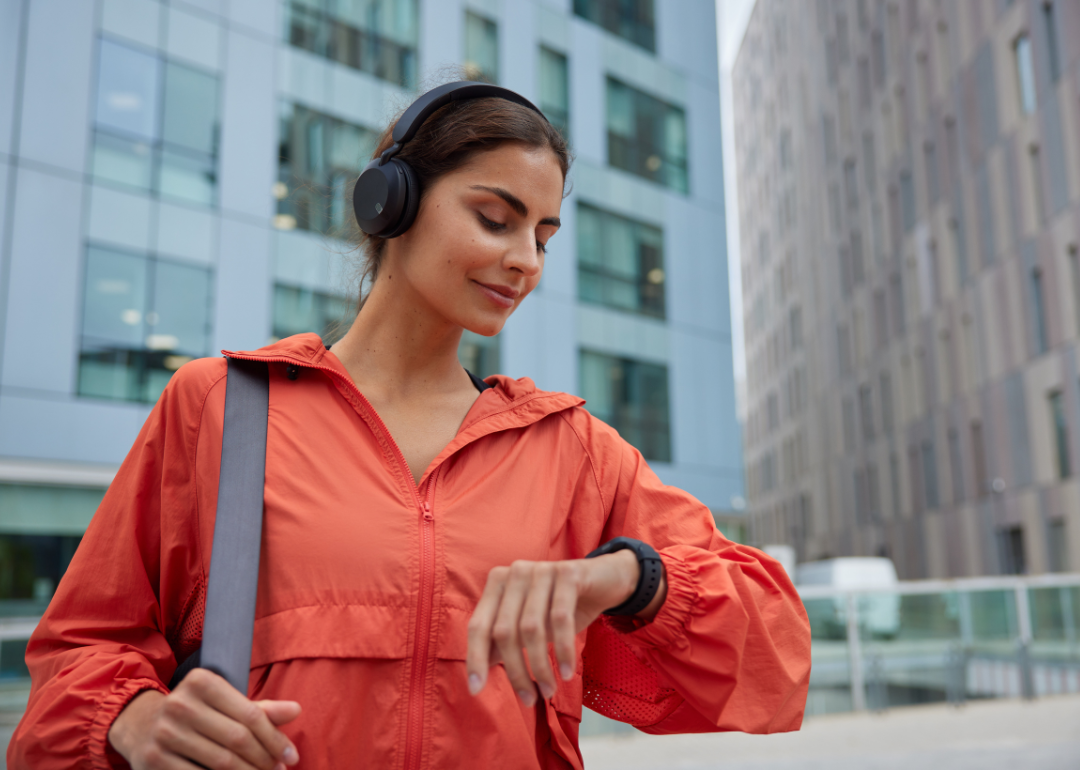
[476, 249]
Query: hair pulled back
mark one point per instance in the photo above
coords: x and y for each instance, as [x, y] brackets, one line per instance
[450, 138]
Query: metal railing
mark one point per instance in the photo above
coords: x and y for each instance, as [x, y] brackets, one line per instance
[949, 640]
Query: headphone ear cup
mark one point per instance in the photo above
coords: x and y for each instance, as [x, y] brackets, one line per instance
[412, 200]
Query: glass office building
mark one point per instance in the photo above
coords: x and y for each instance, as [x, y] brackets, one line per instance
[172, 182]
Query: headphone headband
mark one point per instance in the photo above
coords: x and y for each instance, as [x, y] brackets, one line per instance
[421, 109]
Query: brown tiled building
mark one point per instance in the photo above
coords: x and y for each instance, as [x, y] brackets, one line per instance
[909, 188]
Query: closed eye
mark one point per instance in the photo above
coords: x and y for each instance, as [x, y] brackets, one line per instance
[496, 227]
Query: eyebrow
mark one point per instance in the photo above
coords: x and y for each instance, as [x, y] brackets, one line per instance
[516, 203]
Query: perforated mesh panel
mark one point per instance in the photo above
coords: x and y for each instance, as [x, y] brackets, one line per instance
[619, 684]
[189, 636]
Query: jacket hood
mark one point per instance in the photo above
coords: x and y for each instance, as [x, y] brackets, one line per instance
[508, 404]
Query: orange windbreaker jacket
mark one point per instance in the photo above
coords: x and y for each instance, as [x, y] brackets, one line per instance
[367, 582]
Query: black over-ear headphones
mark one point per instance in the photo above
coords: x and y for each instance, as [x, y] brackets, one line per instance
[387, 193]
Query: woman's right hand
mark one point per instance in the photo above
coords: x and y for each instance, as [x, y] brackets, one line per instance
[206, 722]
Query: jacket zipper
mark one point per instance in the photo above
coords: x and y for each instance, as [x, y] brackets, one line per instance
[414, 731]
[415, 714]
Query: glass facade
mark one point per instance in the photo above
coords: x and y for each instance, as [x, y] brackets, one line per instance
[298, 310]
[646, 136]
[143, 318]
[156, 125]
[479, 354]
[620, 262]
[555, 89]
[632, 20]
[378, 37]
[632, 397]
[319, 158]
[481, 48]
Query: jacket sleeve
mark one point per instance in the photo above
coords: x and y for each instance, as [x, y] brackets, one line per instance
[730, 647]
[105, 636]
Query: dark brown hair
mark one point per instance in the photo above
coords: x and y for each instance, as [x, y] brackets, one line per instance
[449, 139]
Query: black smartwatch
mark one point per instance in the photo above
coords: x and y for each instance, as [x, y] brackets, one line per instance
[652, 570]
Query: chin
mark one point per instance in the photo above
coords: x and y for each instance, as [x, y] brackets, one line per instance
[484, 324]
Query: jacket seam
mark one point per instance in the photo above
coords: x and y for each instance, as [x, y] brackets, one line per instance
[195, 467]
[592, 463]
[508, 406]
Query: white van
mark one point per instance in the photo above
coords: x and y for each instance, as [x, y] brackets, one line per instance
[879, 614]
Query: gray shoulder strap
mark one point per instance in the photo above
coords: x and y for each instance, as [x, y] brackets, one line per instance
[229, 621]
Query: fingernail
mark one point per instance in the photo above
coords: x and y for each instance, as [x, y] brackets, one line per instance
[474, 684]
[546, 690]
[566, 671]
[528, 697]
[290, 756]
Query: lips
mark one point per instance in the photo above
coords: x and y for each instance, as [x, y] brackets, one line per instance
[499, 294]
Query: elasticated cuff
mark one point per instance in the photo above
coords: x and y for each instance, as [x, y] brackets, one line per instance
[100, 752]
[668, 628]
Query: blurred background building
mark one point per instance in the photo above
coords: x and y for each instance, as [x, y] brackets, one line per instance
[909, 180]
[173, 179]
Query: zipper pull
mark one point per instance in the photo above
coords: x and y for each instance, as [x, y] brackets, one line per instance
[428, 515]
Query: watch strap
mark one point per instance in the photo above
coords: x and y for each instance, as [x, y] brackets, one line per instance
[652, 570]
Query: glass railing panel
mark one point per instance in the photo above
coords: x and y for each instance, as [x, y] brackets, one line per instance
[1055, 645]
[830, 676]
[909, 645]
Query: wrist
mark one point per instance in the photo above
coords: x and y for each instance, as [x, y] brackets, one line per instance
[127, 726]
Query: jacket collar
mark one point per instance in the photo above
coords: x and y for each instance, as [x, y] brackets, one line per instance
[508, 404]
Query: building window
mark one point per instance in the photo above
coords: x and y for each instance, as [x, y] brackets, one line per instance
[1038, 309]
[378, 37]
[866, 413]
[1058, 546]
[886, 403]
[1025, 73]
[851, 184]
[795, 327]
[847, 416]
[1061, 434]
[479, 354]
[843, 346]
[481, 48]
[1011, 548]
[929, 474]
[907, 200]
[298, 310]
[787, 154]
[1035, 162]
[955, 460]
[1074, 273]
[32, 565]
[555, 89]
[1051, 41]
[633, 20]
[620, 262]
[143, 318]
[319, 157]
[646, 136]
[978, 451]
[156, 125]
[632, 397]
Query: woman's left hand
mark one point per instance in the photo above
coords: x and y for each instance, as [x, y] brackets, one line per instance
[531, 603]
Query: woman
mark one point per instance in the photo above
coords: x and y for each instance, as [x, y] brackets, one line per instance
[423, 597]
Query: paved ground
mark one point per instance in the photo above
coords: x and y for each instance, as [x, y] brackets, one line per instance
[992, 735]
[988, 735]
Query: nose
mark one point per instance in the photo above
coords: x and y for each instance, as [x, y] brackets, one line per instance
[525, 257]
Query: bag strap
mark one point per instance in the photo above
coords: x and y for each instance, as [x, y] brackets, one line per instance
[229, 620]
